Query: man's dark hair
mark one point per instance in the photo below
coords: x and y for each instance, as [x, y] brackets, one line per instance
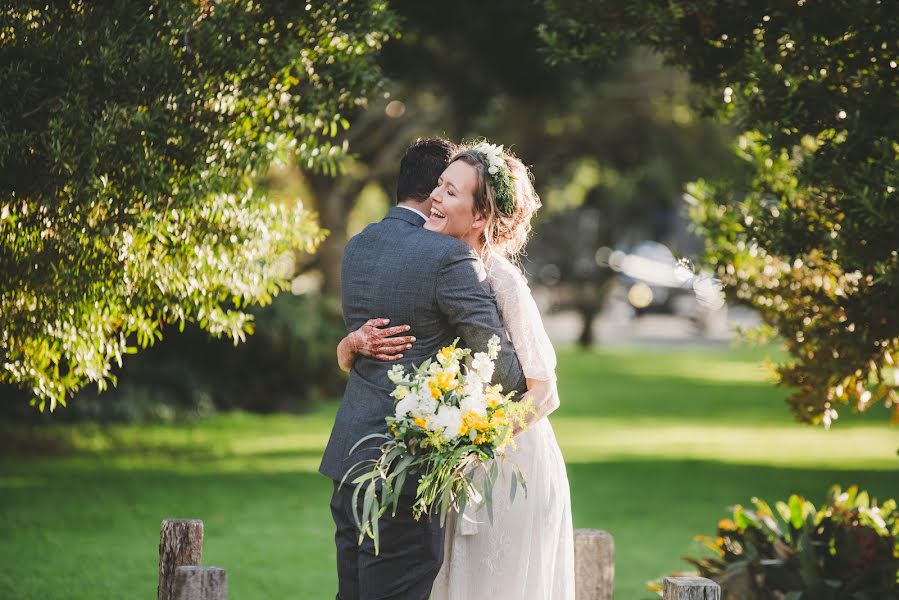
[421, 166]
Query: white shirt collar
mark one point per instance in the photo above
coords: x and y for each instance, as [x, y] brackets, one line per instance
[415, 210]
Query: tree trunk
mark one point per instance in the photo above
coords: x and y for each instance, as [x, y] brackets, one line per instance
[333, 203]
[588, 314]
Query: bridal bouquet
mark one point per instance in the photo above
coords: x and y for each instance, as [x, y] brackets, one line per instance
[448, 424]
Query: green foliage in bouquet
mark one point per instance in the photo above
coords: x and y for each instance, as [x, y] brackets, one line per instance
[449, 426]
[848, 549]
[131, 134]
[809, 236]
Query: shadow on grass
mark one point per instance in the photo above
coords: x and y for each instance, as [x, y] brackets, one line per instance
[273, 532]
[653, 508]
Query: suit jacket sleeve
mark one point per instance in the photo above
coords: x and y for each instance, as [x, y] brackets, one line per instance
[471, 311]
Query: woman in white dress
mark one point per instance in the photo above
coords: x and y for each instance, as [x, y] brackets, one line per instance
[486, 198]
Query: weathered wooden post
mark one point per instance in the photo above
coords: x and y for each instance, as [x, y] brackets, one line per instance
[690, 588]
[201, 583]
[594, 564]
[180, 544]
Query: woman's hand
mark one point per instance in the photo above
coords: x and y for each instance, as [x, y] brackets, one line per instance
[381, 344]
[372, 341]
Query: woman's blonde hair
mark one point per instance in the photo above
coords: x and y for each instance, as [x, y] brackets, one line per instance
[504, 233]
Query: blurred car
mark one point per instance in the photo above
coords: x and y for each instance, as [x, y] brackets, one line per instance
[649, 272]
[654, 281]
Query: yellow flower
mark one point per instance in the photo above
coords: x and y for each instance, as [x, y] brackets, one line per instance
[481, 439]
[447, 381]
[727, 525]
[442, 382]
[472, 420]
[493, 396]
[400, 392]
[445, 355]
[421, 422]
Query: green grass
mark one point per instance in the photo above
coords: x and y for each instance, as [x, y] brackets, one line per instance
[658, 444]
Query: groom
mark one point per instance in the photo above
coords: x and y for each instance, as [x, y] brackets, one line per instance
[399, 270]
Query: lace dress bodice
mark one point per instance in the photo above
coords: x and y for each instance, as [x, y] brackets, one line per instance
[527, 552]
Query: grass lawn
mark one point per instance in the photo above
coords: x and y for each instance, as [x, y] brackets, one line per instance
[658, 444]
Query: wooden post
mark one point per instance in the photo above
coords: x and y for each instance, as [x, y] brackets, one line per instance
[180, 544]
[594, 563]
[201, 583]
[690, 588]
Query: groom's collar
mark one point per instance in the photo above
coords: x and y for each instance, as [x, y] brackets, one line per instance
[407, 214]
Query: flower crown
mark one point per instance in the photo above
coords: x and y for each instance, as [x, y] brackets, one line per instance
[500, 176]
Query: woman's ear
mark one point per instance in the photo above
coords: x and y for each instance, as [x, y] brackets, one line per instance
[479, 223]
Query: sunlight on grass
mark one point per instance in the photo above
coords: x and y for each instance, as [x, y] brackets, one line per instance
[658, 444]
[594, 440]
[686, 366]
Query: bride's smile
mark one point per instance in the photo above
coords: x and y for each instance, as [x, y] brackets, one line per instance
[452, 204]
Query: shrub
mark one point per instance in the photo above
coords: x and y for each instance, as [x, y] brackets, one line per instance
[848, 549]
[287, 365]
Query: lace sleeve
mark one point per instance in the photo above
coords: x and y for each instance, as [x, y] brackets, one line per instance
[524, 326]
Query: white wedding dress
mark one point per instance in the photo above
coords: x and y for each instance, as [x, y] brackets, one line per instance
[527, 552]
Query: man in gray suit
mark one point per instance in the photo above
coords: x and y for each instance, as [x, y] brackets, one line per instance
[398, 270]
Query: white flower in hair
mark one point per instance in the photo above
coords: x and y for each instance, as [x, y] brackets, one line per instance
[500, 176]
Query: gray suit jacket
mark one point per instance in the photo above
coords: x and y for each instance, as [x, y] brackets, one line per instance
[399, 270]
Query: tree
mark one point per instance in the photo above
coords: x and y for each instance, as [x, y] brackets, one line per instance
[614, 174]
[619, 138]
[448, 74]
[808, 236]
[130, 137]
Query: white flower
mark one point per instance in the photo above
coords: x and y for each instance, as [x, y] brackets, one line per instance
[449, 420]
[476, 403]
[493, 347]
[397, 374]
[405, 406]
[492, 169]
[473, 383]
[425, 406]
[482, 366]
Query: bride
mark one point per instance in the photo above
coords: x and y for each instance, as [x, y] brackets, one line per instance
[486, 198]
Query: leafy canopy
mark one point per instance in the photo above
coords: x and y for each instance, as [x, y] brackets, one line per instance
[130, 137]
[809, 235]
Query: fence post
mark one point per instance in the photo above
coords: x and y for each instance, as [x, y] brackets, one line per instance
[594, 563]
[201, 583]
[690, 588]
[180, 544]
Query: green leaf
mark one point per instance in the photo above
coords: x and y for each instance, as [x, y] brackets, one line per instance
[796, 512]
[368, 503]
[372, 436]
